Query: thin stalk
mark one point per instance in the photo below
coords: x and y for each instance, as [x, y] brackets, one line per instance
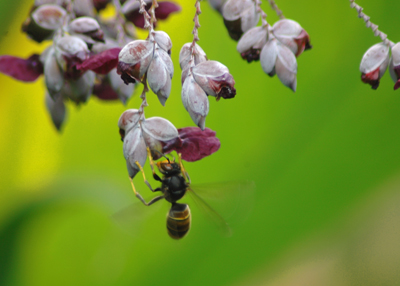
[276, 9]
[261, 12]
[369, 24]
[120, 21]
[196, 27]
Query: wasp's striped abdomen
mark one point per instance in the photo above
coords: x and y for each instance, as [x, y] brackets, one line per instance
[178, 220]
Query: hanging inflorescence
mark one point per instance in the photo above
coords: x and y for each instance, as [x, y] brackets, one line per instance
[377, 58]
[276, 46]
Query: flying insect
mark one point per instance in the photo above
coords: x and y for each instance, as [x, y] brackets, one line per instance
[175, 182]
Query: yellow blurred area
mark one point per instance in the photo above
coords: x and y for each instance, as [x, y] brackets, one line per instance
[30, 151]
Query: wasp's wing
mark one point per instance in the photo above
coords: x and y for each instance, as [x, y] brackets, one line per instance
[225, 203]
[134, 217]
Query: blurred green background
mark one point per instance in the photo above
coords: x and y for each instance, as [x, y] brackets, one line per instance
[324, 160]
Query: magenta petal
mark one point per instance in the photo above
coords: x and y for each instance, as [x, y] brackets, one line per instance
[104, 92]
[193, 143]
[165, 8]
[101, 63]
[21, 69]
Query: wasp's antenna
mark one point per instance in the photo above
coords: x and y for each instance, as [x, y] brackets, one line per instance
[162, 154]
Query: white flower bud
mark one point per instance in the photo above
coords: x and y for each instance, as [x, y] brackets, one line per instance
[195, 101]
[159, 75]
[374, 63]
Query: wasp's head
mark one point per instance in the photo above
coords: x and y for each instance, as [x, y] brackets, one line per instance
[168, 168]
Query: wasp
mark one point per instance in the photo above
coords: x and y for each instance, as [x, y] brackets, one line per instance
[175, 183]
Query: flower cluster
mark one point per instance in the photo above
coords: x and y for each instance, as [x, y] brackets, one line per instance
[275, 46]
[149, 57]
[377, 58]
[161, 137]
[83, 56]
[200, 78]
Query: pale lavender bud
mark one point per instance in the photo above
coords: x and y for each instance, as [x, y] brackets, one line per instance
[44, 2]
[53, 75]
[134, 60]
[117, 84]
[84, 8]
[217, 4]
[163, 41]
[128, 120]
[195, 101]
[185, 55]
[79, 90]
[159, 75]
[134, 149]
[239, 17]
[86, 28]
[43, 21]
[156, 130]
[57, 110]
[279, 59]
[292, 35]
[214, 78]
[70, 51]
[251, 43]
[374, 64]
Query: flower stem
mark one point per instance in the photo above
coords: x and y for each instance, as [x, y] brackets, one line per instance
[196, 26]
[262, 13]
[369, 24]
[153, 7]
[147, 18]
[276, 9]
[143, 96]
[119, 19]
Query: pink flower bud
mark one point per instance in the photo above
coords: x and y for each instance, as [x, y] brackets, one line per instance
[292, 35]
[43, 21]
[251, 43]
[57, 110]
[214, 78]
[277, 58]
[159, 75]
[134, 60]
[163, 41]
[374, 63]
[26, 70]
[195, 101]
[394, 68]
[86, 28]
[239, 17]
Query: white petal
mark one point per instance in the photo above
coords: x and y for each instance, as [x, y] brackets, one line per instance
[134, 150]
[128, 120]
[396, 54]
[53, 75]
[159, 128]
[376, 56]
[268, 56]
[163, 40]
[286, 67]
[254, 38]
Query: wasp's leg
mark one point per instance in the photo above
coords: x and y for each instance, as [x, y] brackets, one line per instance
[155, 176]
[141, 198]
[184, 173]
[144, 178]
